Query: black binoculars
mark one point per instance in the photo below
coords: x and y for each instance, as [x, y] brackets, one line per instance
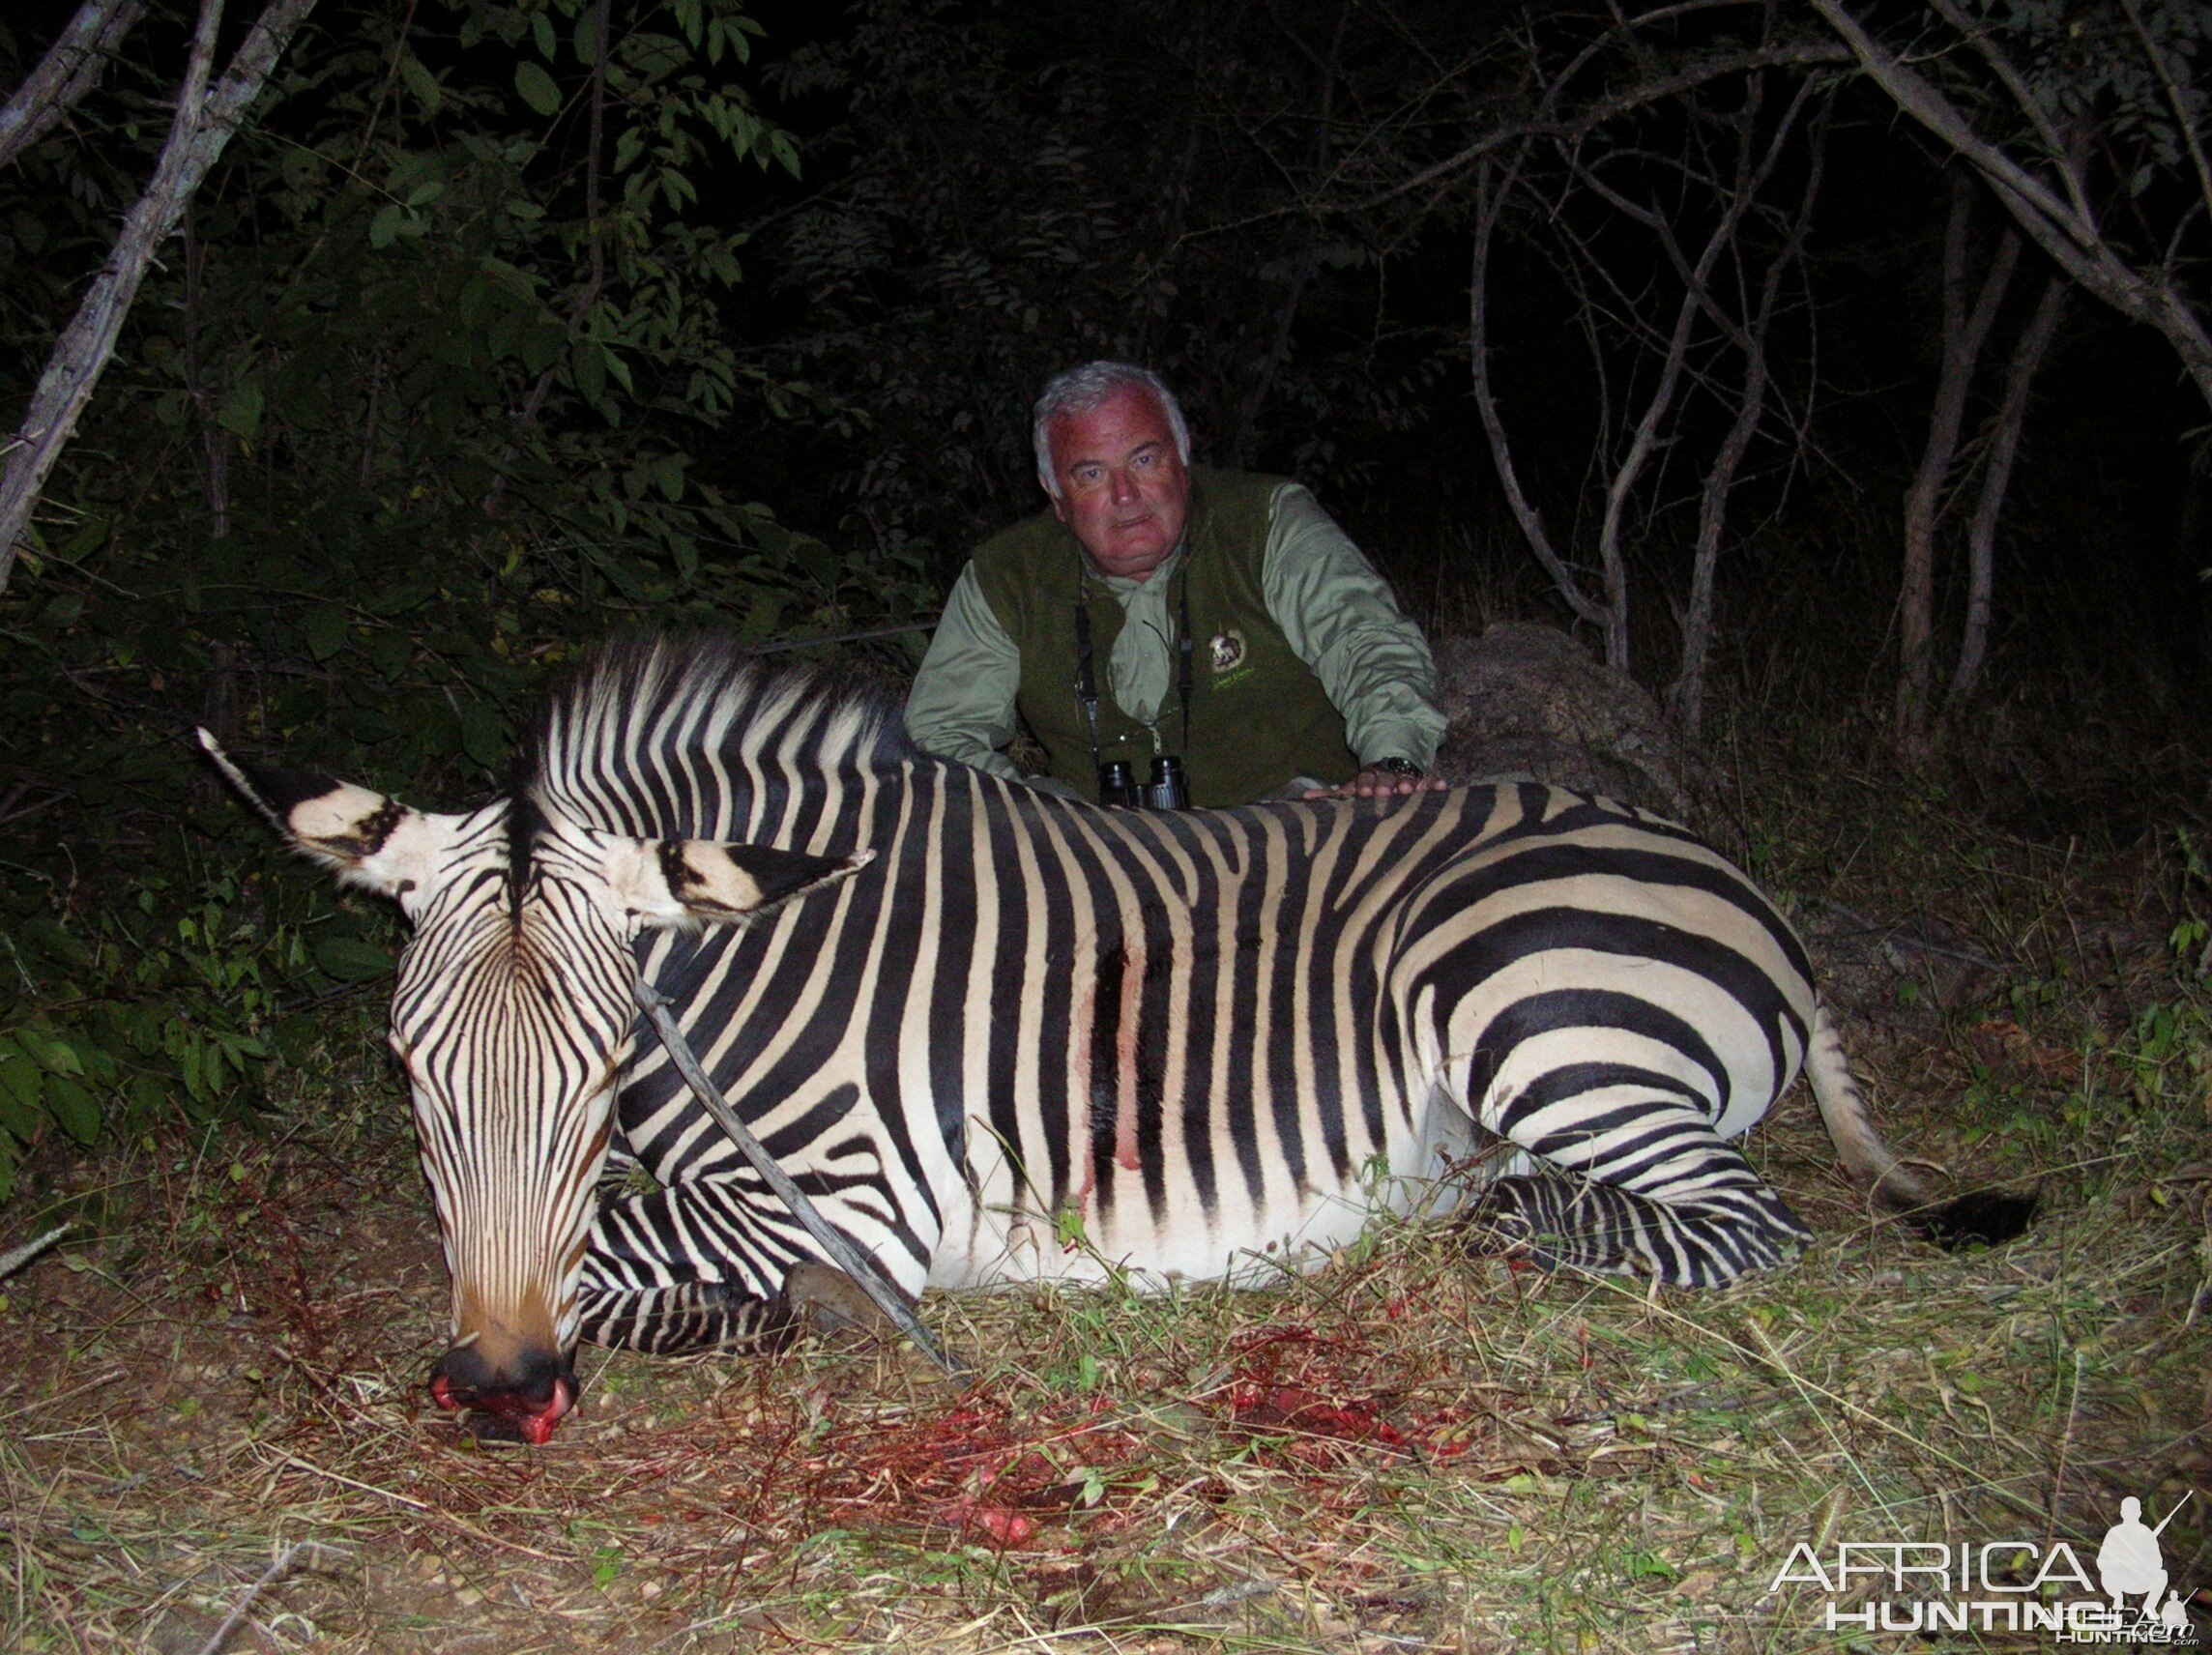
[1166, 791]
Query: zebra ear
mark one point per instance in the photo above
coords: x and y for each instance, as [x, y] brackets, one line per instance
[688, 882]
[368, 839]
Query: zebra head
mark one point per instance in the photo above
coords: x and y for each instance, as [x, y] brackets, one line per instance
[513, 1014]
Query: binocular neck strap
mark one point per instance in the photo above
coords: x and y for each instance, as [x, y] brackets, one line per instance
[1086, 661]
[1184, 684]
[1087, 668]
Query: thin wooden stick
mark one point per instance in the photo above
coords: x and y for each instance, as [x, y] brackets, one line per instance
[841, 1252]
[276, 1570]
[16, 1258]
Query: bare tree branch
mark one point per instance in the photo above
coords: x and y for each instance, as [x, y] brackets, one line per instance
[70, 69]
[1752, 172]
[205, 117]
[1660, 89]
[2023, 99]
[1686, 695]
[2053, 218]
[1489, 204]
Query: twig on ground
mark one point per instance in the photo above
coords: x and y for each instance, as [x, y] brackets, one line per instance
[16, 1258]
[276, 1572]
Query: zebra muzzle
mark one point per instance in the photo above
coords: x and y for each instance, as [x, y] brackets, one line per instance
[526, 1403]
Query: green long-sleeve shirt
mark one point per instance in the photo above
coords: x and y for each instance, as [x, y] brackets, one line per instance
[1333, 609]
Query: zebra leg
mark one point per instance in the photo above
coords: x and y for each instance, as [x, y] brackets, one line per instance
[1646, 1187]
[649, 1285]
[681, 1321]
[660, 1278]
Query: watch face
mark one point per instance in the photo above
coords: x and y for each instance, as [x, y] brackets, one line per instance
[1399, 767]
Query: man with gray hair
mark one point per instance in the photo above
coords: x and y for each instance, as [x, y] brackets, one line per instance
[1228, 620]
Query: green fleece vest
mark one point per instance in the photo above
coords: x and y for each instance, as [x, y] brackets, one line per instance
[1259, 715]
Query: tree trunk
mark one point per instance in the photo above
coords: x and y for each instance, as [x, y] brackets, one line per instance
[205, 117]
[1964, 333]
[1997, 479]
[1490, 202]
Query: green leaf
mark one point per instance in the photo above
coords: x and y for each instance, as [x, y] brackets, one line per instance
[73, 1108]
[383, 228]
[241, 414]
[763, 617]
[391, 652]
[351, 959]
[202, 1074]
[512, 277]
[54, 1055]
[20, 1120]
[590, 366]
[422, 83]
[482, 738]
[99, 1066]
[326, 628]
[370, 725]
[396, 598]
[22, 1081]
[535, 86]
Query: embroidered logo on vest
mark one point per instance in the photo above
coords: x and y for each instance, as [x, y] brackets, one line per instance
[1228, 651]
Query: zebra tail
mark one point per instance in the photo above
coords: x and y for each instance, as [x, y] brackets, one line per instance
[1980, 1216]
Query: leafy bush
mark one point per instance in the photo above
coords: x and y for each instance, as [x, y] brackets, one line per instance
[172, 1003]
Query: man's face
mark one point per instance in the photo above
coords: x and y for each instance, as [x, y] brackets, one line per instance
[1124, 488]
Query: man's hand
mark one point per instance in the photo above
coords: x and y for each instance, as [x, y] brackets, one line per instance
[1376, 781]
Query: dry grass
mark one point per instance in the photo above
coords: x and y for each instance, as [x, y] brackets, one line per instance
[212, 1393]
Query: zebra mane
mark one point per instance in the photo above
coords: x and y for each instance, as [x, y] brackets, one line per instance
[680, 735]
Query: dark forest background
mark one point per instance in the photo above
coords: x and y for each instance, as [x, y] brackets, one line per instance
[1815, 364]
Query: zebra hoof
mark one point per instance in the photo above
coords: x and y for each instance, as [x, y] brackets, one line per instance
[1983, 1218]
[821, 1299]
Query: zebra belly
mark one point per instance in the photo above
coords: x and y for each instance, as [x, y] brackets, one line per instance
[996, 1234]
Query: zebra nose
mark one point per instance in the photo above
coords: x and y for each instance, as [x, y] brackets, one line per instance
[530, 1393]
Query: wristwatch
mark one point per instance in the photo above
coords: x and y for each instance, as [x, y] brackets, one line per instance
[1399, 767]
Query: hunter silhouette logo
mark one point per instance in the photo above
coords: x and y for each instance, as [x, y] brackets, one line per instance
[1227, 650]
[2130, 1563]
